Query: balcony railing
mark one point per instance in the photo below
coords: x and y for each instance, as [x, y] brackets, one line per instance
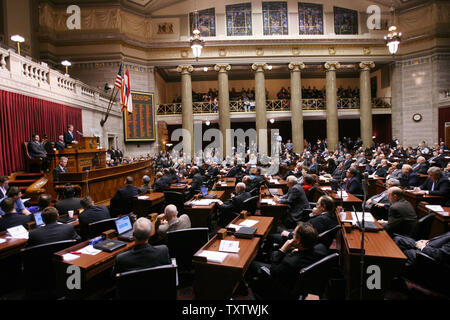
[272, 106]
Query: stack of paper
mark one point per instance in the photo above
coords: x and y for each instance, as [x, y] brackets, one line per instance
[204, 202]
[89, 250]
[358, 216]
[70, 257]
[143, 197]
[342, 194]
[435, 208]
[268, 201]
[229, 246]
[234, 226]
[248, 223]
[326, 188]
[2, 241]
[18, 232]
[213, 256]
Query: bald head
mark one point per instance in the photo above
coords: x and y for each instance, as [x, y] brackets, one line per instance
[395, 194]
[240, 187]
[291, 180]
[171, 212]
[142, 230]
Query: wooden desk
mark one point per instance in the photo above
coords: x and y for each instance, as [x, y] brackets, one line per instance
[177, 187]
[11, 247]
[372, 188]
[142, 207]
[380, 250]
[90, 266]
[346, 202]
[218, 281]
[414, 197]
[441, 222]
[277, 211]
[263, 227]
[280, 184]
[228, 185]
[200, 216]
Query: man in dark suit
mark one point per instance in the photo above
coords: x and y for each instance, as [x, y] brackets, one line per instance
[409, 178]
[37, 150]
[379, 204]
[402, 218]
[437, 160]
[323, 216]
[314, 168]
[3, 186]
[143, 255]
[229, 209]
[52, 231]
[90, 214]
[61, 168]
[382, 169]
[10, 218]
[421, 166]
[60, 144]
[70, 202]
[296, 200]
[348, 161]
[352, 184]
[162, 181]
[69, 136]
[122, 202]
[234, 171]
[145, 188]
[437, 248]
[196, 184]
[437, 185]
[212, 170]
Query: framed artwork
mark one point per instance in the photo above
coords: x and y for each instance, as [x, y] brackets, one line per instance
[239, 19]
[206, 22]
[310, 17]
[140, 125]
[275, 21]
[345, 21]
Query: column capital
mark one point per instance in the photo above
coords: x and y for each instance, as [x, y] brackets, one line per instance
[222, 67]
[260, 67]
[185, 68]
[296, 66]
[332, 65]
[367, 65]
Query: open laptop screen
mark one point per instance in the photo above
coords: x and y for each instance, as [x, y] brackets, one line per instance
[204, 190]
[123, 224]
[38, 219]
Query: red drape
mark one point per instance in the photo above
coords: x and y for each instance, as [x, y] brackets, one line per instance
[21, 116]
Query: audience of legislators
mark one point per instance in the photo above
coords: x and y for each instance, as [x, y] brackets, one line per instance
[15, 194]
[379, 204]
[231, 208]
[436, 185]
[169, 220]
[142, 255]
[70, 202]
[11, 218]
[52, 231]
[122, 202]
[91, 213]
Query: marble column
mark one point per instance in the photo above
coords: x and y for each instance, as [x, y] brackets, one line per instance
[260, 107]
[224, 108]
[296, 106]
[187, 112]
[332, 112]
[365, 103]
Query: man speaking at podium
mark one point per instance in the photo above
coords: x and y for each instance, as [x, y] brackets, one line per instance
[69, 136]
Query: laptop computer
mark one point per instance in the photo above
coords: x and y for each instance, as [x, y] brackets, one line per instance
[66, 219]
[205, 194]
[38, 219]
[124, 228]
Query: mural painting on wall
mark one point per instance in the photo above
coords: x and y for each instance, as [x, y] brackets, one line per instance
[206, 22]
[345, 21]
[239, 19]
[275, 18]
[310, 16]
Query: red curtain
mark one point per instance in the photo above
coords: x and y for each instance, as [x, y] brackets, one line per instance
[21, 116]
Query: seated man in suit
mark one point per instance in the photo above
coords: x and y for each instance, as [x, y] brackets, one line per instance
[296, 172]
[297, 253]
[212, 171]
[402, 218]
[382, 169]
[314, 168]
[60, 144]
[421, 166]
[70, 202]
[361, 159]
[296, 200]
[437, 248]
[394, 172]
[379, 204]
[37, 150]
[196, 184]
[61, 168]
[11, 218]
[91, 213]
[437, 185]
[352, 184]
[162, 180]
[229, 209]
[348, 161]
[4, 180]
[145, 187]
[44, 201]
[249, 185]
[409, 178]
[69, 136]
[52, 231]
[15, 194]
[168, 221]
[142, 255]
[437, 160]
[122, 202]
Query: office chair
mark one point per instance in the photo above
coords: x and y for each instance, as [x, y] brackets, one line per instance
[423, 227]
[251, 204]
[39, 269]
[157, 283]
[175, 198]
[95, 229]
[327, 237]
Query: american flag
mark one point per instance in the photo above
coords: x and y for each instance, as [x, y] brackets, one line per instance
[118, 83]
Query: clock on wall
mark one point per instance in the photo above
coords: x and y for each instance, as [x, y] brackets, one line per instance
[417, 117]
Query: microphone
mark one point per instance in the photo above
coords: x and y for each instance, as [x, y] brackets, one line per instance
[365, 184]
[81, 134]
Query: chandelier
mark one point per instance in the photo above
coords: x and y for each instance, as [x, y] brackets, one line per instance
[197, 43]
[393, 39]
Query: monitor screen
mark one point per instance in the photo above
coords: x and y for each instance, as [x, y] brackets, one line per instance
[38, 219]
[204, 190]
[123, 224]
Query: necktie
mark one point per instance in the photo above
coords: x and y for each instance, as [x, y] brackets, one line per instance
[432, 187]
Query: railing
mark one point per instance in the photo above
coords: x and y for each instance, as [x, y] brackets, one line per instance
[272, 105]
[38, 79]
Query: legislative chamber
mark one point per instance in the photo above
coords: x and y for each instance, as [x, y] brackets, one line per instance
[223, 151]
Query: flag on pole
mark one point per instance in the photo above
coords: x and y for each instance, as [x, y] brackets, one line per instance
[118, 83]
[126, 100]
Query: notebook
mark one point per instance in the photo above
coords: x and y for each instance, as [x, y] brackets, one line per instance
[109, 245]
